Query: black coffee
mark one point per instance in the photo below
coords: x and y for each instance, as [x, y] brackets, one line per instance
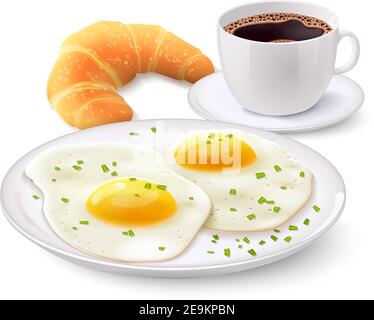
[278, 27]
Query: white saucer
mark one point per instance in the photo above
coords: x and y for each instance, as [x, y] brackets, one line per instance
[211, 99]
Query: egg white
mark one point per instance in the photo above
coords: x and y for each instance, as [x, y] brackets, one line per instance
[99, 238]
[230, 212]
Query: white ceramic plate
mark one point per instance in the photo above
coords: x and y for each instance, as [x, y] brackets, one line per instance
[211, 99]
[26, 215]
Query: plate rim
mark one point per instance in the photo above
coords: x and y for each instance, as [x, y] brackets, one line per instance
[122, 266]
[201, 111]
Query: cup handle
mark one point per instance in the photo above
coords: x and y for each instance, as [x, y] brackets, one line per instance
[355, 54]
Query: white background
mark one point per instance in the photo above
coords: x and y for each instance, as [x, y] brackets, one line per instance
[338, 265]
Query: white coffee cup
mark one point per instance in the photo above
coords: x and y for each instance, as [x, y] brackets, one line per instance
[281, 78]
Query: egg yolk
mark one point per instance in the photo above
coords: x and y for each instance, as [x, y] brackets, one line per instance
[215, 152]
[131, 203]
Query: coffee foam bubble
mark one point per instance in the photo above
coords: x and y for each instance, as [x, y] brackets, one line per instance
[277, 18]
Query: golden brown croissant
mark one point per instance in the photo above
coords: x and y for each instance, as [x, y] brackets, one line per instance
[103, 57]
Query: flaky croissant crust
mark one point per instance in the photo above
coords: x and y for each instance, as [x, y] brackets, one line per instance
[98, 60]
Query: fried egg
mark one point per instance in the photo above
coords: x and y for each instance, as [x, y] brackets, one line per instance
[118, 201]
[252, 183]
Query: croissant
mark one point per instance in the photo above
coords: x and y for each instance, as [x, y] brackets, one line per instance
[98, 60]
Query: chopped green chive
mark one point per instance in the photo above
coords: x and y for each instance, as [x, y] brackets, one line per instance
[36, 197]
[274, 238]
[191, 198]
[293, 228]
[302, 174]
[262, 243]
[316, 208]
[211, 136]
[114, 164]
[260, 175]
[270, 201]
[147, 186]
[230, 135]
[288, 239]
[276, 209]
[283, 187]
[246, 240]
[137, 195]
[306, 222]
[237, 240]
[214, 241]
[162, 187]
[154, 129]
[77, 168]
[252, 252]
[240, 246]
[233, 209]
[210, 252]
[133, 134]
[216, 237]
[129, 233]
[54, 180]
[75, 228]
[209, 142]
[227, 252]
[277, 168]
[277, 231]
[251, 217]
[57, 168]
[233, 192]
[80, 162]
[66, 200]
[261, 200]
[161, 248]
[114, 174]
[132, 179]
[105, 168]
[84, 223]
